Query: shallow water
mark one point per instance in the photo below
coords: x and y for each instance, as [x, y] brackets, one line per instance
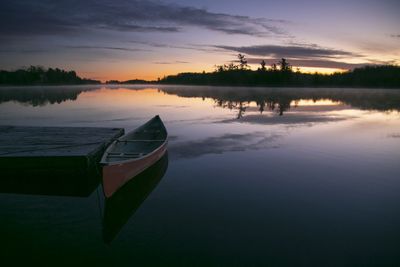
[255, 177]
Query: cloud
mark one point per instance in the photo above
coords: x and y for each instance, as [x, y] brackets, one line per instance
[140, 28]
[33, 18]
[293, 51]
[171, 62]
[24, 51]
[80, 47]
[313, 63]
[195, 47]
[304, 55]
[106, 48]
[395, 35]
[45, 17]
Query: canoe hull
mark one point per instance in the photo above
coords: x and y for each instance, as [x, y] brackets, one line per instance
[116, 175]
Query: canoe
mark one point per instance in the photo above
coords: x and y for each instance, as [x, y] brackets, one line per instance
[133, 153]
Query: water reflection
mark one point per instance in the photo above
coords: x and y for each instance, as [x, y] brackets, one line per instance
[224, 143]
[42, 95]
[323, 177]
[123, 204]
[278, 100]
[48, 175]
[117, 209]
[47, 182]
[281, 100]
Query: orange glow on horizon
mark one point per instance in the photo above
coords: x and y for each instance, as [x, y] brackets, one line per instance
[141, 97]
[312, 70]
[145, 71]
[151, 72]
[309, 102]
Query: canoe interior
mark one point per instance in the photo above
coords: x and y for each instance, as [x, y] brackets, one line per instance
[139, 142]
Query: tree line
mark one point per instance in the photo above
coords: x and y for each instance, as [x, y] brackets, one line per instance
[36, 75]
[236, 73]
[282, 74]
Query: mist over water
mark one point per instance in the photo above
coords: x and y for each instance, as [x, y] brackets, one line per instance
[255, 176]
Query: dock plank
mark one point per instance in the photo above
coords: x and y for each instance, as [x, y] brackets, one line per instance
[52, 160]
[54, 141]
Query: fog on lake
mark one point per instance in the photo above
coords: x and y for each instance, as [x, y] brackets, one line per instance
[251, 174]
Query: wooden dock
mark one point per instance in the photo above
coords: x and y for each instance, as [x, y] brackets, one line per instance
[52, 160]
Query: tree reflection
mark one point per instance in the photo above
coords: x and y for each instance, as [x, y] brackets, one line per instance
[40, 96]
[280, 100]
[277, 105]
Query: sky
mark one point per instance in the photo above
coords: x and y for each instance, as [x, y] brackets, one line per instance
[130, 39]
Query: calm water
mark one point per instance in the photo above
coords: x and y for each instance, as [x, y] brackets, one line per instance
[254, 177]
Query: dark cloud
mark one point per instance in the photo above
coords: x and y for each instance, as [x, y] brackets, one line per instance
[45, 17]
[140, 28]
[294, 52]
[80, 47]
[105, 48]
[395, 35]
[195, 47]
[313, 63]
[24, 51]
[28, 18]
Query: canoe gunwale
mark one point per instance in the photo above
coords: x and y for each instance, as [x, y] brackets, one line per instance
[106, 163]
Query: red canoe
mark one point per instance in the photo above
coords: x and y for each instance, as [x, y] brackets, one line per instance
[133, 153]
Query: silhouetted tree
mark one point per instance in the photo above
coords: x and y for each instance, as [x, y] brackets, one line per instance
[371, 76]
[231, 67]
[284, 65]
[218, 68]
[262, 63]
[242, 62]
[242, 109]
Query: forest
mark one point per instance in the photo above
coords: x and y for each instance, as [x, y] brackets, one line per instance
[36, 75]
[238, 73]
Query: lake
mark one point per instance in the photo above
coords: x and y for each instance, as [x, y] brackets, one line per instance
[253, 177]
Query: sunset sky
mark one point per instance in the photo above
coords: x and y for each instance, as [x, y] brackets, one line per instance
[124, 39]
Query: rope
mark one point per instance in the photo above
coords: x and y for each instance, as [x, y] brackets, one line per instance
[99, 205]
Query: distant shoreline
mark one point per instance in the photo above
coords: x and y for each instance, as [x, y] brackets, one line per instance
[49, 85]
[385, 76]
[36, 75]
[197, 85]
[366, 77]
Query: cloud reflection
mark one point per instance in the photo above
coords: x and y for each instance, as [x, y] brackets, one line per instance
[223, 144]
[394, 135]
[297, 118]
